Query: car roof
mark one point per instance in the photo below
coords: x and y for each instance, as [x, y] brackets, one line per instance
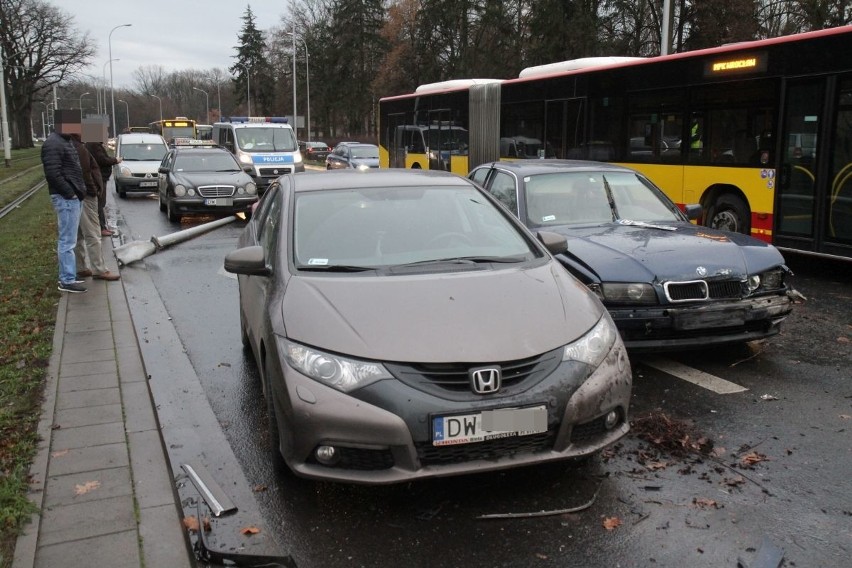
[200, 150]
[141, 138]
[377, 178]
[544, 166]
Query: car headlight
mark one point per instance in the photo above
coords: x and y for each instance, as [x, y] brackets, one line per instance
[363, 167]
[341, 373]
[125, 171]
[297, 158]
[593, 347]
[773, 279]
[627, 293]
[180, 190]
[190, 192]
[240, 190]
[251, 188]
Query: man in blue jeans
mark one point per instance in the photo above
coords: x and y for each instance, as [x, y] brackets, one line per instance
[67, 189]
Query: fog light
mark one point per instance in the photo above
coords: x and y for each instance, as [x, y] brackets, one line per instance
[326, 455]
[611, 419]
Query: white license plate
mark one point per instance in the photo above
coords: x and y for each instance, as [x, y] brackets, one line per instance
[220, 201]
[147, 184]
[488, 425]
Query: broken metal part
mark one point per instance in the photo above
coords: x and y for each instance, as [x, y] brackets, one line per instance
[543, 513]
[210, 491]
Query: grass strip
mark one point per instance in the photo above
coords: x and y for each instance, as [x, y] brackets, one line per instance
[28, 303]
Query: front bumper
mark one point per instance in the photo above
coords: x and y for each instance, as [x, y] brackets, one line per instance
[383, 432]
[136, 184]
[201, 205]
[700, 325]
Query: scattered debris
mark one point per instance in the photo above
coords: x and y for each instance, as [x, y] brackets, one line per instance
[611, 523]
[249, 530]
[704, 503]
[768, 397]
[82, 489]
[543, 513]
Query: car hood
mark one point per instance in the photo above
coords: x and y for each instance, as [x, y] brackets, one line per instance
[212, 178]
[616, 252]
[478, 316]
[140, 166]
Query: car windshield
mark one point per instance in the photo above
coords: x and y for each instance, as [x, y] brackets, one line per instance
[206, 162]
[575, 198]
[266, 139]
[384, 227]
[365, 152]
[142, 152]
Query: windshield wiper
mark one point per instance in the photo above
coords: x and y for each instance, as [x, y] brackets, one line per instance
[645, 225]
[335, 268]
[469, 260]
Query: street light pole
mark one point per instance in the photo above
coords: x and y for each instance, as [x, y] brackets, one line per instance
[81, 101]
[248, 88]
[111, 89]
[4, 121]
[206, 101]
[104, 74]
[307, 85]
[127, 106]
[295, 116]
[161, 109]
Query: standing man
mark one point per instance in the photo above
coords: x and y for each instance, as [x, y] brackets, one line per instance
[89, 233]
[105, 163]
[67, 189]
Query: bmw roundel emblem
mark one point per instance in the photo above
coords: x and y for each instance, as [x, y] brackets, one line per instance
[701, 271]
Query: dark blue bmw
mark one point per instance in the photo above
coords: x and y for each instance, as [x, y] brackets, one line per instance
[668, 284]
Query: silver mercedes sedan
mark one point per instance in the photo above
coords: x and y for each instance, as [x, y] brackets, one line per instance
[407, 326]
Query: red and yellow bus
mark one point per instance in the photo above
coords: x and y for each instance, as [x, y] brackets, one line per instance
[759, 133]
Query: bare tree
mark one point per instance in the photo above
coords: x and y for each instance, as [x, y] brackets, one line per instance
[41, 47]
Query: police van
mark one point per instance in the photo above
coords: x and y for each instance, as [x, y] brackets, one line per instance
[268, 143]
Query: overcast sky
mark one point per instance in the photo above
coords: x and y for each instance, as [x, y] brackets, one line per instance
[174, 34]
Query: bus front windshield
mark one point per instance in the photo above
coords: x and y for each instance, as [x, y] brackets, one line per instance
[266, 139]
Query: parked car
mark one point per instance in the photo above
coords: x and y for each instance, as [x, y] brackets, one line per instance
[666, 282]
[199, 178]
[314, 151]
[140, 155]
[353, 156]
[406, 326]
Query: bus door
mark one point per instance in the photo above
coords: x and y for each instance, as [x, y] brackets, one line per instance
[397, 136]
[438, 141]
[564, 129]
[814, 196]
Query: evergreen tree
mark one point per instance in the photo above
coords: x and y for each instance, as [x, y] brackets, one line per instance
[252, 69]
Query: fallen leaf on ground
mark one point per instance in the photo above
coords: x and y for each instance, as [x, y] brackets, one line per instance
[704, 503]
[191, 523]
[752, 458]
[59, 454]
[249, 530]
[86, 487]
[611, 523]
[845, 416]
[259, 488]
[735, 481]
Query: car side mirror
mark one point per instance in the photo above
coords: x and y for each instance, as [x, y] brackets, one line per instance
[248, 261]
[693, 211]
[248, 169]
[553, 242]
[163, 170]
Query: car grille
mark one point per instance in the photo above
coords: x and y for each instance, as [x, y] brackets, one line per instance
[705, 290]
[275, 172]
[143, 175]
[588, 431]
[491, 449]
[442, 378]
[216, 190]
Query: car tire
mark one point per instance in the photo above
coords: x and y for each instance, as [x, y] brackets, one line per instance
[173, 217]
[244, 338]
[160, 199]
[121, 193]
[729, 213]
[277, 459]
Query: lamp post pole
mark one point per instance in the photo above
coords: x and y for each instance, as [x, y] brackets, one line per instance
[127, 107]
[81, 101]
[4, 120]
[307, 87]
[248, 87]
[111, 90]
[295, 115]
[105, 82]
[161, 109]
[206, 102]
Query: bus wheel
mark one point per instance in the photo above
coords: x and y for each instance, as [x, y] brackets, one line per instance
[729, 213]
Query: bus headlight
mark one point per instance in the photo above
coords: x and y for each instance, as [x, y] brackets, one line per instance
[245, 158]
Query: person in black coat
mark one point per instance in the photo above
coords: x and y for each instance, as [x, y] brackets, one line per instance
[67, 189]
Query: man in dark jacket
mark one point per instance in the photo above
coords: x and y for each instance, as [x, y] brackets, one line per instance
[105, 163]
[67, 189]
[89, 233]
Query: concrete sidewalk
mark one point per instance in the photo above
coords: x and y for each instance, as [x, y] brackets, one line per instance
[101, 478]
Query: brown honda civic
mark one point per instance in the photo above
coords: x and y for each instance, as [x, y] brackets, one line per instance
[407, 326]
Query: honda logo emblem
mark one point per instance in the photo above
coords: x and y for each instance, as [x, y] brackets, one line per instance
[485, 380]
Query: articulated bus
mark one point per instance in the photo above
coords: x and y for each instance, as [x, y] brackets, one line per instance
[759, 133]
[180, 127]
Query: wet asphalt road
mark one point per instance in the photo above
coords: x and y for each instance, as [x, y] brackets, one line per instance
[778, 473]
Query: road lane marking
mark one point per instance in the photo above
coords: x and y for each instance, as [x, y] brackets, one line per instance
[694, 376]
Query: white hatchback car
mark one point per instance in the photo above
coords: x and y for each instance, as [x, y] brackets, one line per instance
[140, 155]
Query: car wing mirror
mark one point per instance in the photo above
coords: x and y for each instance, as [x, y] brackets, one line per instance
[249, 261]
[163, 170]
[553, 242]
[693, 211]
[248, 169]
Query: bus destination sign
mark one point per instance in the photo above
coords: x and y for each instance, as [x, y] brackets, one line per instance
[753, 63]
